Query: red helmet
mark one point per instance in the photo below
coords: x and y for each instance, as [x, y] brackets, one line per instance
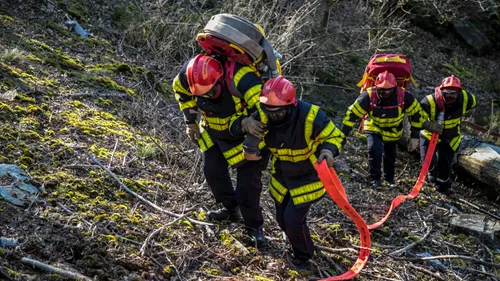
[386, 80]
[278, 92]
[203, 73]
[451, 82]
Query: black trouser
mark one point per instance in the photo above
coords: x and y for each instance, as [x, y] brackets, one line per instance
[293, 221]
[443, 157]
[248, 185]
[376, 149]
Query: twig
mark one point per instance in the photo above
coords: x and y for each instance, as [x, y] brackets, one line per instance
[426, 271]
[112, 154]
[151, 204]
[402, 250]
[378, 277]
[49, 268]
[5, 275]
[73, 213]
[83, 167]
[479, 209]
[331, 250]
[103, 95]
[451, 257]
[477, 271]
[143, 247]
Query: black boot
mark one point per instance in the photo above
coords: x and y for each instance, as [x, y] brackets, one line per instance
[225, 214]
[301, 265]
[257, 237]
[376, 184]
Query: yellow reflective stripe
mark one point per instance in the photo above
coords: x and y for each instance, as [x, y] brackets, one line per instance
[237, 103]
[348, 123]
[357, 110]
[390, 59]
[177, 86]
[466, 101]
[386, 135]
[308, 197]
[217, 120]
[217, 123]
[452, 123]
[278, 191]
[386, 122]
[308, 188]
[428, 135]
[473, 100]
[275, 194]
[432, 103]
[252, 95]
[240, 73]
[233, 151]
[455, 142]
[188, 104]
[262, 115]
[205, 142]
[311, 116]
[413, 109]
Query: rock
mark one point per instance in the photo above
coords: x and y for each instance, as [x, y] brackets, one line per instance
[473, 37]
[476, 223]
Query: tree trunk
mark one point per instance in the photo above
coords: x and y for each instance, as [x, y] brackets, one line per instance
[479, 159]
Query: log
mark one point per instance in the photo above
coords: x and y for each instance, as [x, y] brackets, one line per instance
[478, 159]
[481, 161]
[476, 224]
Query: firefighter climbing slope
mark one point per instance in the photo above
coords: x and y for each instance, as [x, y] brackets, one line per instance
[385, 105]
[299, 136]
[454, 102]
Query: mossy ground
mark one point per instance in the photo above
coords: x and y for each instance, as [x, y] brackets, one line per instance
[86, 220]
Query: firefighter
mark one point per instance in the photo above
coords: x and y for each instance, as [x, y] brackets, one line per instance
[299, 135]
[450, 98]
[385, 105]
[200, 86]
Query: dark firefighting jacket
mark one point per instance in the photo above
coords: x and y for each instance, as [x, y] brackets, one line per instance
[452, 117]
[217, 115]
[385, 117]
[295, 146]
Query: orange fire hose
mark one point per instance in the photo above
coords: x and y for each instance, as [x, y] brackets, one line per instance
[334, 187]
[418, 185]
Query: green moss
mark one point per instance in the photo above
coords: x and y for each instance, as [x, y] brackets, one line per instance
[38, 45]
[213, 271]
[25, 98]
[111, 84]
[458, 70]
[64, 61]
[34, 58]
[6, 112]
[168, 270]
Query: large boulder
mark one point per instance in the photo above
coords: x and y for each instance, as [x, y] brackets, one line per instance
[473, 37]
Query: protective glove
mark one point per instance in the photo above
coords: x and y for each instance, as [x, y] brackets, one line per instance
[253, 127]
[413, 144]
[327, 155]
[432, 127]
[193, 132]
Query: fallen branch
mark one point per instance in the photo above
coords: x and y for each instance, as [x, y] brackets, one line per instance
[451, 257]
[479, 209]
[102, 95]
[331, 250]
[151, 204]
[402, 250]
[52, 269]
[426, 271]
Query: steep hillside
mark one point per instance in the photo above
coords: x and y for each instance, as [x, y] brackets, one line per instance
[65, 98]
